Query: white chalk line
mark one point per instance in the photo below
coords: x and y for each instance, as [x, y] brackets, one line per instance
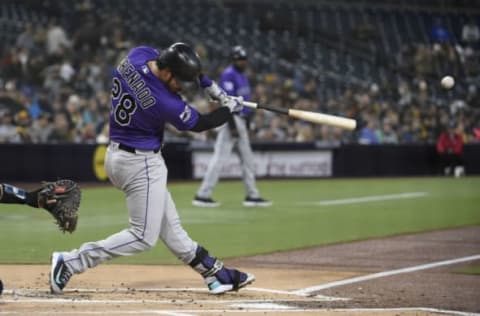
[262, 306]
[312, 289]
[105, 291]
[194, 312]
[72, 300]
[247, 306]
[370, 198]
[45, 293]
[105, 312]
[320, 297]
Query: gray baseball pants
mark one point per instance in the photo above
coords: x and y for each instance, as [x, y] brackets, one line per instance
[222, 150]
[152, 213]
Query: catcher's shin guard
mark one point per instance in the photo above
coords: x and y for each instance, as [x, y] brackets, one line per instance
[218, 278]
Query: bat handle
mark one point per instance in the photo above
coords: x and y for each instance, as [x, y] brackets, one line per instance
[249, 104]
[254, 105]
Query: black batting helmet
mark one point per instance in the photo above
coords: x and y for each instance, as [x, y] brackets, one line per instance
[238, 53]
[182, 60]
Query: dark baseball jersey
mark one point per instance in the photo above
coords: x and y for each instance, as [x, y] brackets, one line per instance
[142, 103]
[235, 83]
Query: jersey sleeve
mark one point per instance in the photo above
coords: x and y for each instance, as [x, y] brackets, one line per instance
[180, 114]
[143, 53]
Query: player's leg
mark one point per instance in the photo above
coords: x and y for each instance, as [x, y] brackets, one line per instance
[222, 150]
[216, 275]
[247, 161]
[143, 179]
[218, 278]
[459, 169]
[173, 235]
[449, 162]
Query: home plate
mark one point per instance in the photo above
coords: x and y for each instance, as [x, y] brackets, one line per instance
[269, 306]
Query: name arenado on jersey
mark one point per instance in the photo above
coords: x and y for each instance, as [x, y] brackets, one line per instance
[133, 79]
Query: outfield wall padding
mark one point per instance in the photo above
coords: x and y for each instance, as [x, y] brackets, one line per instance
[81, 162]
[84, 162]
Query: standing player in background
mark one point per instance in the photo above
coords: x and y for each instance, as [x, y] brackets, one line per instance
[450, 151]
[235, 133]
[145, 96]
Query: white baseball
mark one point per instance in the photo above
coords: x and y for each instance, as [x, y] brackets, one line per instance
[447, 82]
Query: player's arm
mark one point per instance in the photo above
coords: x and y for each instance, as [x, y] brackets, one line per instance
[185, 117]
[213, 119]
[230, 84]
[60, 198]
[10, 194]
[217, 93]
[220, 115]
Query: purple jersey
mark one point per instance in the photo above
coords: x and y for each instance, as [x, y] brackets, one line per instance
[142, 103]
[235, 83]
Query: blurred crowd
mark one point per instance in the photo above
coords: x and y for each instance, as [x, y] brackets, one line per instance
[55, 88]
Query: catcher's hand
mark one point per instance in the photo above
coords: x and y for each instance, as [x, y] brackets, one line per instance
[61, 199]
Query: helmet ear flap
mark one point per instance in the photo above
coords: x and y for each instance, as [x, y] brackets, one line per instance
[161, 61]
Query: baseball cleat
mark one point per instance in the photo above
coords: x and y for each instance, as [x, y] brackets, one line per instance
[252, 202]
[204, 202]
[60, 274]
[238, 280]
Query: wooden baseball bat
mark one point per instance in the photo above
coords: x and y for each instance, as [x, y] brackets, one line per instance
[314, 117]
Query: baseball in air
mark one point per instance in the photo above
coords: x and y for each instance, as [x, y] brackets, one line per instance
[447, 82]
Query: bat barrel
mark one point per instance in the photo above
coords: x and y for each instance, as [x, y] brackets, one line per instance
[326, 119]
[314, 117]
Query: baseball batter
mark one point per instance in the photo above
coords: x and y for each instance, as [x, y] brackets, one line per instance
[145, 96]
[233, 134]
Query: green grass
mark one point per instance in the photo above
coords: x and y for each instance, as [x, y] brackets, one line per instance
[29, 236]
[470, 270]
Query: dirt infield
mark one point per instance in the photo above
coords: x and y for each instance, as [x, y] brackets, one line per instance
[404, 275]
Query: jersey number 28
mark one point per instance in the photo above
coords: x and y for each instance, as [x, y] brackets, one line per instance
[126, 105]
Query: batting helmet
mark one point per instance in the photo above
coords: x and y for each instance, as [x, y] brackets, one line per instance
[239, 53]
[182, 60]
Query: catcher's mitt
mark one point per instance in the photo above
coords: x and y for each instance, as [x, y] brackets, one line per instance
[61, 199]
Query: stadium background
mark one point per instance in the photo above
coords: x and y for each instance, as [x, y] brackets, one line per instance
[379, 62]
[372, 60]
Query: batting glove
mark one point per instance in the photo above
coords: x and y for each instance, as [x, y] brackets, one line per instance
[235, 104]
[215, 92]
[212, 88]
